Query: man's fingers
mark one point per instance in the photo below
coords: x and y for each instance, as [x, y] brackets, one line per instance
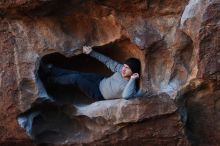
[135, 75]
[87, 49]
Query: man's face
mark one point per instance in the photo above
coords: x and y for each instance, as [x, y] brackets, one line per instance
[126, 71]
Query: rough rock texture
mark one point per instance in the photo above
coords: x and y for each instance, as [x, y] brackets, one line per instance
[113, 122]
[199, 103]
[176, 41]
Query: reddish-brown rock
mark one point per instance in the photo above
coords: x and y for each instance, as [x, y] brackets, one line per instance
[199, 103]
[176, 41]
[112, 122]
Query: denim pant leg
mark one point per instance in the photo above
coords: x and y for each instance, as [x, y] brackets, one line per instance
[87, 82]
[65, 79]
[56, 71]
[93, 77]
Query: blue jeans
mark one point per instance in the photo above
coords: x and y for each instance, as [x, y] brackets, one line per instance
[88, 83]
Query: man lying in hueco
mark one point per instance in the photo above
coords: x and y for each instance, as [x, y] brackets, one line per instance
[122, 84]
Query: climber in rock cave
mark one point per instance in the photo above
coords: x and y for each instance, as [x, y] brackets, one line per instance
[124, 83]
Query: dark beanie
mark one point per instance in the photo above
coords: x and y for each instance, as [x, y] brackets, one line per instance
[134, 64]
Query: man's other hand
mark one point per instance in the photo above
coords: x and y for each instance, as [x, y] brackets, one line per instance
[87, 49]
[135, 76]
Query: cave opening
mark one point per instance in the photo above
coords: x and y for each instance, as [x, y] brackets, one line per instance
[119, 50]
[54, 122]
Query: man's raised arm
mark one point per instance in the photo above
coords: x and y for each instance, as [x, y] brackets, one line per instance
[131, 90]
[113, 65]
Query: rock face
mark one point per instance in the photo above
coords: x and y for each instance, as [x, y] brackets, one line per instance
[112, 122]
[176, 41]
